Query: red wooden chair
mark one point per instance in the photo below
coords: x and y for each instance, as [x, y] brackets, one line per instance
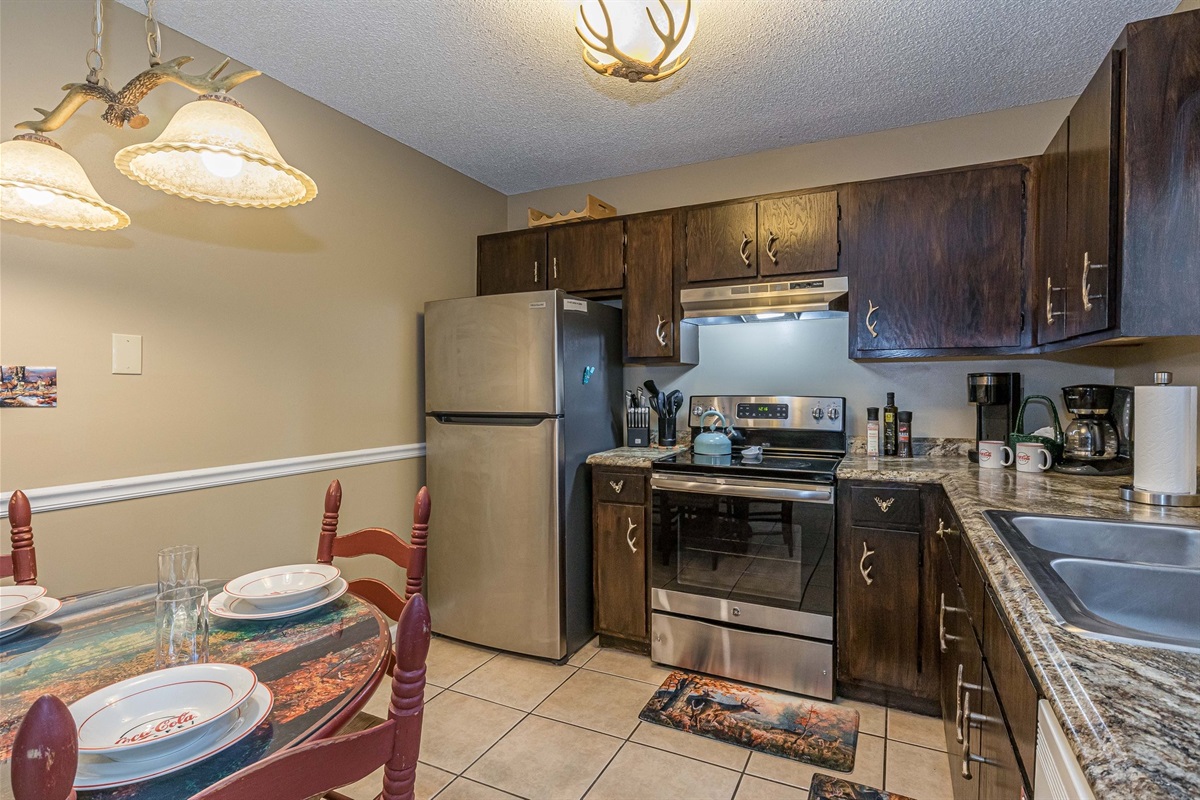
[21, 563]
[378, 541]
[45, 750]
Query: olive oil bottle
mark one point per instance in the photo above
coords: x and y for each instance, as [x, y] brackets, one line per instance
[889, 425]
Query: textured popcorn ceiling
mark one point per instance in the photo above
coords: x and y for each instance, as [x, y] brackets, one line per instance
[497, 89]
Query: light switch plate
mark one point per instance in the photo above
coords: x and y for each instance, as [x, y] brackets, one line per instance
[126, 354]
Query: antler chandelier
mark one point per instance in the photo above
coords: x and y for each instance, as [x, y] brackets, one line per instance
[627, 41]
[212, 149]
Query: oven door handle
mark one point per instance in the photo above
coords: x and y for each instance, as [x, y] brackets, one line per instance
[731, 489]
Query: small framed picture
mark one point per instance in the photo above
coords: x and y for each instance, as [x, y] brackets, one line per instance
[28, 387]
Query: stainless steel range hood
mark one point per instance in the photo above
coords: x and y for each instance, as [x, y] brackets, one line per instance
[820, 298]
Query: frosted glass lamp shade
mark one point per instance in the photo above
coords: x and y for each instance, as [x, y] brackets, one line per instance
[628, 23]
[214, 150]
[41, 184]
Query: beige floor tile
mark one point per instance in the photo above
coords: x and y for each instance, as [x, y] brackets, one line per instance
[545, 760]
[752, 788]
[464, 789]
[430, 781]
[916, 729]
[584, 653]
[449, 661]
[514, 681]
[872, 719]
[918, 772]
[691, 745]
[868, 766]
[458, 729]
[640, 771]
[628, 665]
[378, 704]
[598, 701]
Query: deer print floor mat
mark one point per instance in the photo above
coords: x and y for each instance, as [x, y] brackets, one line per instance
[816, 733]
[827, 787]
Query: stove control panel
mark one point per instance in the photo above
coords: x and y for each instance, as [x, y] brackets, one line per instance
[786, 413]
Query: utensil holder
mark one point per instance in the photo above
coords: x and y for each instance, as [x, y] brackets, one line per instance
[1054, 445]
[666, 431]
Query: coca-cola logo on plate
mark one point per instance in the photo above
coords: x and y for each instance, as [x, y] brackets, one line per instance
[156, 729]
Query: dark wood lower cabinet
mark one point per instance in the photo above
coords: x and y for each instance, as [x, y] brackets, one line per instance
[620, 535]
[878, 607]
[992, 761]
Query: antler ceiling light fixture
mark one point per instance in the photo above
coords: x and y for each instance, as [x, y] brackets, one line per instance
[212, 150]
[623, 38]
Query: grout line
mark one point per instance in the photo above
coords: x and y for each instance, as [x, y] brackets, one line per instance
[738, 785]
[604, 769]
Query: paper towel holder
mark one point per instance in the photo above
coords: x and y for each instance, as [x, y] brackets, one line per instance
[1129, 493]
[1159, 498]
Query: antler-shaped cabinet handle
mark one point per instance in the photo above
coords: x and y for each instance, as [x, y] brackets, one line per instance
[746, 241]
[617, 486]
[866, 571]
[871, 309]
[884, 505]
[629, 535]
[772, 253]
[660, 333]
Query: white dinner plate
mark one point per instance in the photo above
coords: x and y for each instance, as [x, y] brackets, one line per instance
[14, 598]
[98, 772]
[282, 587]
[34, 612]
[160, 712]
[222, 605]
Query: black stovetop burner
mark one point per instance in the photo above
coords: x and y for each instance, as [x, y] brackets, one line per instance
[795, 466]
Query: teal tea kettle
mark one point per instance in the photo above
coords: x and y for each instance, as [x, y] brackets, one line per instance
[711, 442]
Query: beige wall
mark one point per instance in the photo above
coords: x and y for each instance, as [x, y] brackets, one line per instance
[267, 333]
[997, 135]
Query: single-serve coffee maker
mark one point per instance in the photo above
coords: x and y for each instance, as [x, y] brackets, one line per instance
[997, 398]
[1099, 441]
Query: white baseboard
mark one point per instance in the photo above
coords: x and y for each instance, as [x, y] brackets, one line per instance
[75, 495]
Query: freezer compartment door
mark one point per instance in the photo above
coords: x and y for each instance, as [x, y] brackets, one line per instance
[497, 354]
[495, 551]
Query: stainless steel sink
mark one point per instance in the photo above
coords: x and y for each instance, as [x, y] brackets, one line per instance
[1122, 581]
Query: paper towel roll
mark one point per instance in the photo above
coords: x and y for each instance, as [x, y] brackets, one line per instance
[1164, 439]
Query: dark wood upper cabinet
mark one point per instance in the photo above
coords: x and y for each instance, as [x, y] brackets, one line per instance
[937, 261]
[798, 234]
[650, 297]
[586, 256]
[1049, 304]
[720, 242]
[1091, 189]
[1160, 293]
[511, 262]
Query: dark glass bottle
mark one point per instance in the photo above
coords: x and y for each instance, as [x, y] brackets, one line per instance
[889, 425]
[904, 434]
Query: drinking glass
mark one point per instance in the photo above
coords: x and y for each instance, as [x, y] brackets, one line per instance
[181, 626]
[178, 567]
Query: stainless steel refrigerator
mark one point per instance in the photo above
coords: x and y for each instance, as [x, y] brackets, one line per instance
[519, 390]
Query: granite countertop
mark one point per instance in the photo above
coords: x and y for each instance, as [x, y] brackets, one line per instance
[633, 456]
[1132, 714]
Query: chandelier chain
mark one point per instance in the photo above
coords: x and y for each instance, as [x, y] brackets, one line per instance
[153, 35]
[94, 58]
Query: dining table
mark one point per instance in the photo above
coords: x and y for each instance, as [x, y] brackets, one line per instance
[321, 666]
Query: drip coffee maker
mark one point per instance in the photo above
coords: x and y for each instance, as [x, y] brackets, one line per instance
[1099, 438]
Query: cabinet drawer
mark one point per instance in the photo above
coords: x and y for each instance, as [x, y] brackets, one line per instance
[881, 505]
[618, 487]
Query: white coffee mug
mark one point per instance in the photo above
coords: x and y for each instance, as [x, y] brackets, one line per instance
[1033, 457]
[993, 454]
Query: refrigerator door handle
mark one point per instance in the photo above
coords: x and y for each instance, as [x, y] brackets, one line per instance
[476, 419]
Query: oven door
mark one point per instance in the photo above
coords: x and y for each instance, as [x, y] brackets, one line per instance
[751, 553]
